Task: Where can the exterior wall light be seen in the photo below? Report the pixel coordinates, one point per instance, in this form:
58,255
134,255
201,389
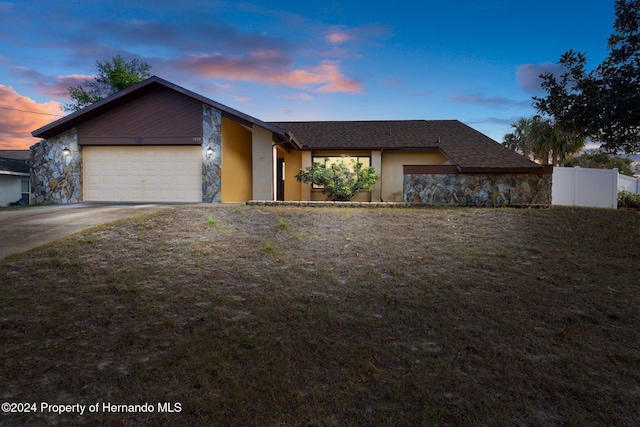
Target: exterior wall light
210,151
66,151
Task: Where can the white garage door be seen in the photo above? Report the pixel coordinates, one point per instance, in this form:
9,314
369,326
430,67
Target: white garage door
142,174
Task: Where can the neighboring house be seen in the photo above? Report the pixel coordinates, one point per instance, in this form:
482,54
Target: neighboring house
14,177
158,142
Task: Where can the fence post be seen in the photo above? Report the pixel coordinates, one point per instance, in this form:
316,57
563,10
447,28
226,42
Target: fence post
615,177
576,185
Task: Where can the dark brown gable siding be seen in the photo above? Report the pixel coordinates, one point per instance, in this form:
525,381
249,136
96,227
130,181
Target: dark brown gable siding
160,117
430,169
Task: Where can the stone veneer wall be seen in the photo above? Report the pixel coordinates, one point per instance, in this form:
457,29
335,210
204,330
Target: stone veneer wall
211,138
54,176
478,189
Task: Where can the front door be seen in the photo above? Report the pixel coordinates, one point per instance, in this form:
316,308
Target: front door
280,180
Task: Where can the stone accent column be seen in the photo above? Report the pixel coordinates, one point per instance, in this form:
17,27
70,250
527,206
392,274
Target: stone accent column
56,177
211,163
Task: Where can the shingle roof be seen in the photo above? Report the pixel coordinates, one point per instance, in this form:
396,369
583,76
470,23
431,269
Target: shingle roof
469,149
13,166
15,154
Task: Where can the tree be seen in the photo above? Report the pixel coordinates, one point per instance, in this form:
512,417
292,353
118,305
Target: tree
543,139
519,140
113,76
340,181
602,104
602,160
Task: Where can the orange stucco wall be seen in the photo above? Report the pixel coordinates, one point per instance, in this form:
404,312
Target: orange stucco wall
237,175
392,174
292,164
236,168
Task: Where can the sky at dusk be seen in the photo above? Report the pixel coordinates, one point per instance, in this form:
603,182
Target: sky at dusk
476,61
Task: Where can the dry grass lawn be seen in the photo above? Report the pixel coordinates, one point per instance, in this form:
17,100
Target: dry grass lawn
250,316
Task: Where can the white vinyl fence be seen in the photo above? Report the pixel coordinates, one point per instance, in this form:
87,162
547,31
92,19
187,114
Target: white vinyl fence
629,183
596,188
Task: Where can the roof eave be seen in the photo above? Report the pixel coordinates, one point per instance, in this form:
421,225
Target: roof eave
372,148
538,169
292,140
14,173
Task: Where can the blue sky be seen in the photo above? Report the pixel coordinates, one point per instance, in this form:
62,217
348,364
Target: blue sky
475,61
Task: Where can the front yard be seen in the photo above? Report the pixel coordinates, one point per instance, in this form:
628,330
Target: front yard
252,316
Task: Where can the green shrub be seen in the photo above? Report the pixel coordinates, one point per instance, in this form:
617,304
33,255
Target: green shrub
341,180
627,199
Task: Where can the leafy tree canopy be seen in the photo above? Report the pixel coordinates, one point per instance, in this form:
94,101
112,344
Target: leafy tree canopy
603,104
113,76
602,160
341,180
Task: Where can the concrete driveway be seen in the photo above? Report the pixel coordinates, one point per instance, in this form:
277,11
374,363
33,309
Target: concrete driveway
26,228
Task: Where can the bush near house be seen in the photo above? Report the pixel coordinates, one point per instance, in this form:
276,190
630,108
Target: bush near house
627,199
341,180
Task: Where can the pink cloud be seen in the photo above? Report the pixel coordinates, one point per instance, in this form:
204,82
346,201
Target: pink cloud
337,37
528,75
20,115
272,68
297,96
52,86
243,98
341,34
59,86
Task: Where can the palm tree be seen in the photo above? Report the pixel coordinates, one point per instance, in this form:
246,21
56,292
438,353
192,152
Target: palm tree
518,140
565,144
543,140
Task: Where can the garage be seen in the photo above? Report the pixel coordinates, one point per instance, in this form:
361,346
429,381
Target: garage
169,173
155,142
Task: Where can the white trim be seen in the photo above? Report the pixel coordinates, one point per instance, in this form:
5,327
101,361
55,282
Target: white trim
14,173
